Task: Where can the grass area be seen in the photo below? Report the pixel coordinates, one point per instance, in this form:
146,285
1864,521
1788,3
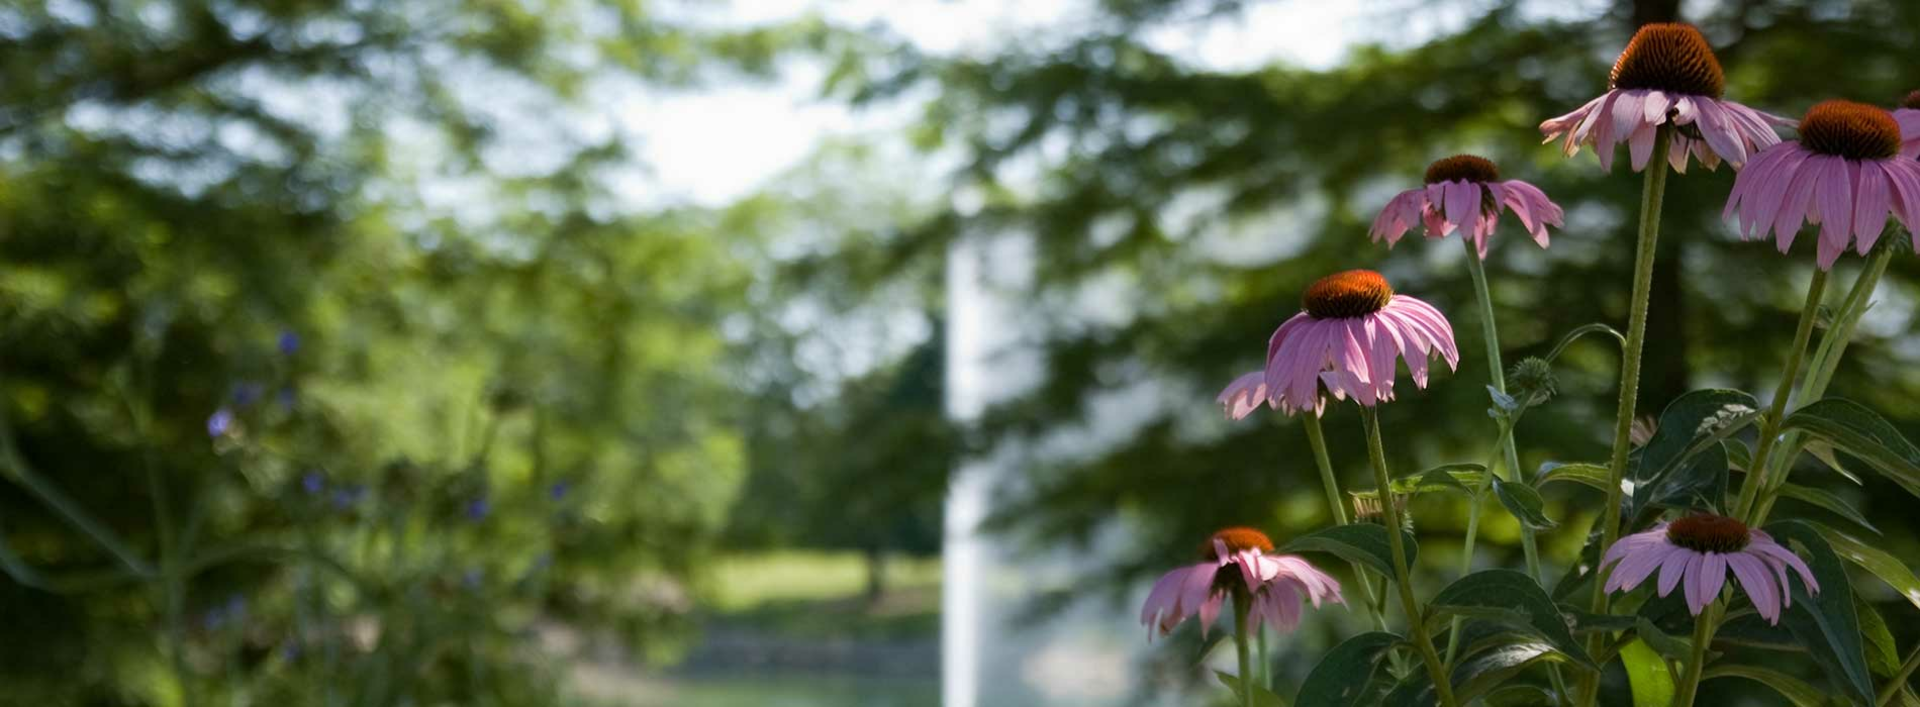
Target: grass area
804,691
744,581
822,595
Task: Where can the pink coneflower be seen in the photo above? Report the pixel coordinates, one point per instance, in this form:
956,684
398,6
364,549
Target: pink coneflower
1277,584
1244,395
1845,173
1464,193
1908,116
1350,338
1667,74
1698,551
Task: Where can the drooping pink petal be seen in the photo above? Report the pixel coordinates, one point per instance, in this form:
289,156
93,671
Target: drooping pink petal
1164,596
1798,200
1210,612
1245,394
1772,193
1696,582
1872,202
1718,130
1765,545
1636,567
1834,195
1674,569
1640,145
1758,583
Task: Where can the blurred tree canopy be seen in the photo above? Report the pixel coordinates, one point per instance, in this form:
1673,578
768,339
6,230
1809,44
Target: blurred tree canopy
1176,211
322,315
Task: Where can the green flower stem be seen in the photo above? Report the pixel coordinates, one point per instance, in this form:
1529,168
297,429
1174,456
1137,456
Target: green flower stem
1497,377
1704,626
1652,194
1899,679
1265,667
1833,345
1757,472
1240,641
1390,514
1316,438
1477,501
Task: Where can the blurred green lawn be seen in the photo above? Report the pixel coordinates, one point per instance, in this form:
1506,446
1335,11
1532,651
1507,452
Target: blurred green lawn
779,603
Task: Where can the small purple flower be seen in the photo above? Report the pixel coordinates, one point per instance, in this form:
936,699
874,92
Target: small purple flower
220,423
346,497
477,509
289,342
472,579
246,394
313,482
286,398
559,490
290,651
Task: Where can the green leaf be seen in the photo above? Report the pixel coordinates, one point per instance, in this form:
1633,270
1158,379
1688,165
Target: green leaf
1365,543
1872,559
1794,689
1648,674
1462,478
1524,503
1262,697
1826,624
1691,424
1739,457
1824,452
1862,433
1661,642
1519,695
1825,499
1748,629
1594,476
1685,460
1526,604
1587,622
1883,657
1475,676
1345,675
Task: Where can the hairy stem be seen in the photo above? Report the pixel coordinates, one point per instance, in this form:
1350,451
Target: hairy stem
1651,195
1497,377
1703,628
1403,579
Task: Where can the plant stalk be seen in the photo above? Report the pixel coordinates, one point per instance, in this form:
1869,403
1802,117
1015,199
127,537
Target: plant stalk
1497,377
1899,679
1833,345
1390,514
1758,473
1652,193
1241,600
1703,628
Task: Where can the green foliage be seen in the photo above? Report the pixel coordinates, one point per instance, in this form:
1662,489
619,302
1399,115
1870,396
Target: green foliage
279,419
1648,674
1826,624
1344,677
1364,543
1514,599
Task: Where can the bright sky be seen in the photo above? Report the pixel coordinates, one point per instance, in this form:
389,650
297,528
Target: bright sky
715,144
